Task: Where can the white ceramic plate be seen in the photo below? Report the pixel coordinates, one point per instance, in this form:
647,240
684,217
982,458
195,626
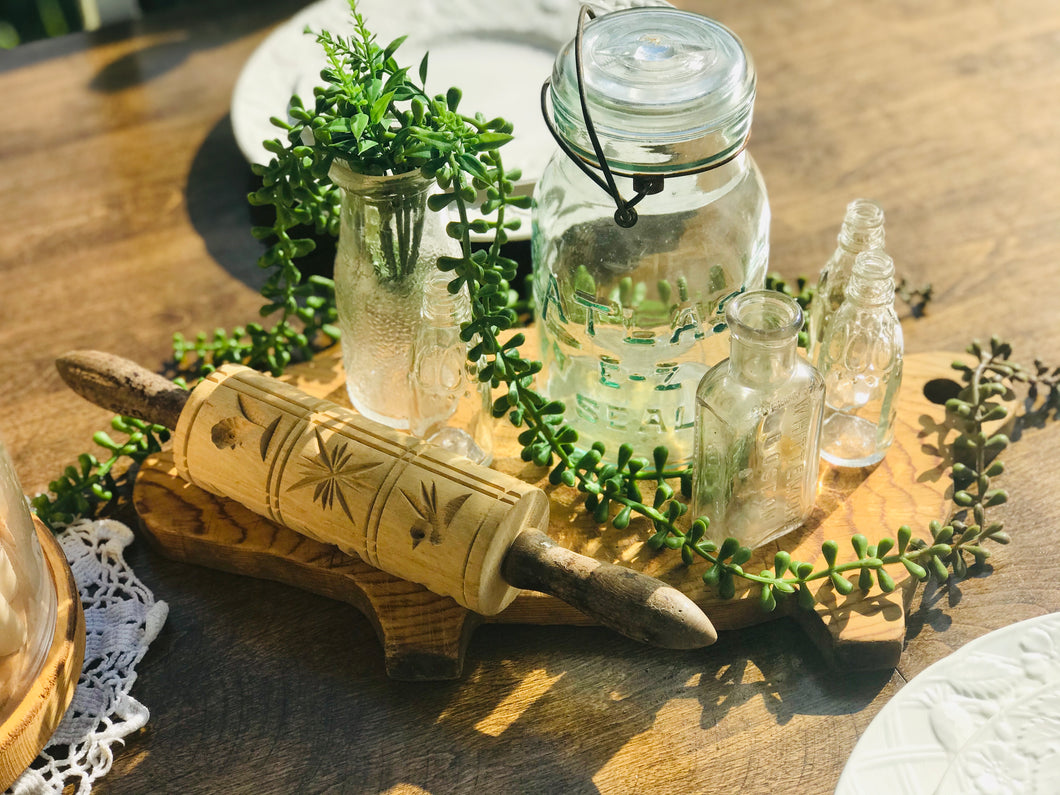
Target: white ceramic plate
986,719
498,52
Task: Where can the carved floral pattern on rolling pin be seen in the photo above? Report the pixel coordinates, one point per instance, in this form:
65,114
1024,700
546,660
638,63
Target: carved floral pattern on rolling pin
333,475
426,509
233,432
339,478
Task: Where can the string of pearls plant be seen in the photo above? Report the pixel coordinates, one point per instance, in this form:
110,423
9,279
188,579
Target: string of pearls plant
371,114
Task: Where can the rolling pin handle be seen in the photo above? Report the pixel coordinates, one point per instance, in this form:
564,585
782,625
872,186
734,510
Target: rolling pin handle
633,604
123,386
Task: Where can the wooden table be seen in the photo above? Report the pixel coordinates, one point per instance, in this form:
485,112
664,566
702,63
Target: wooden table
122,190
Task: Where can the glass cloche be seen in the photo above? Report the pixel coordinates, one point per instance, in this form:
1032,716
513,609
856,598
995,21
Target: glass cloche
27,595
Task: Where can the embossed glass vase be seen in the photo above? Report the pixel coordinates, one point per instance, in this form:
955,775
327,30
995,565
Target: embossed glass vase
389,242
861,359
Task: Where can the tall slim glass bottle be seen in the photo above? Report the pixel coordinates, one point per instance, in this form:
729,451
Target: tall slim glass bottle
862,230
758,421
861,359
450,406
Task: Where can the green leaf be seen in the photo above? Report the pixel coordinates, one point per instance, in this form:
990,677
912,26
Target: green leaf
490,140
393,46
379,107
423,68
841,583
915,569
830,549
766,599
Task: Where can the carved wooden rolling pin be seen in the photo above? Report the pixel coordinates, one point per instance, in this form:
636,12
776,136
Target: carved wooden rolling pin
411,509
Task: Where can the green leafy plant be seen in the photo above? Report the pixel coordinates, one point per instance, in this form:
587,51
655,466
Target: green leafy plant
379,120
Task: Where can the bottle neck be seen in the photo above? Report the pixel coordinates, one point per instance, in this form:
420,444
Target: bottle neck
872,281
862,227
758,362
441,305
871,292
764,345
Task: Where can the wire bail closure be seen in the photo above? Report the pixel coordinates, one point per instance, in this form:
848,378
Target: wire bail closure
643,184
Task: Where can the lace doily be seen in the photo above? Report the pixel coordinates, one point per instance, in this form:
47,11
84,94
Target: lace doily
121,619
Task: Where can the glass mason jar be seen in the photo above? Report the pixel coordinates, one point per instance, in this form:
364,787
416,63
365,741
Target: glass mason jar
27,595
389,242
758,425
630,316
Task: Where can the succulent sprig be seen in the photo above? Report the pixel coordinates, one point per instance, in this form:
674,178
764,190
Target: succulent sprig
950,547
90,486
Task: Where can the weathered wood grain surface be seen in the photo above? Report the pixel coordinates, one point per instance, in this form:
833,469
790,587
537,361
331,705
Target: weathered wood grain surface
122,195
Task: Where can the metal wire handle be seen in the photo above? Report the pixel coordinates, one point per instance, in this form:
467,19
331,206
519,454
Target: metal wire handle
644,185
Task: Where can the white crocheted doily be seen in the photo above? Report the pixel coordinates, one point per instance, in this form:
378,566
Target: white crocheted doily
121,619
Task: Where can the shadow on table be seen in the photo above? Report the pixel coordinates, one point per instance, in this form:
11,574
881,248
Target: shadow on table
615,706
174,35
216,196
300,679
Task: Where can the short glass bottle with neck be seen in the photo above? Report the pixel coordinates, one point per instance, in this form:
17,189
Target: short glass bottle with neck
862,230
861,360
758,421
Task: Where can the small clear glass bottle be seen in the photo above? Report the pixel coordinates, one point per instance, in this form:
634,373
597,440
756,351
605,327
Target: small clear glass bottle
862,230
861,359
450,406
758,421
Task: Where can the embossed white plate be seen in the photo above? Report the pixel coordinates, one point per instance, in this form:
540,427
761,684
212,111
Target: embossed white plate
986,719
498,52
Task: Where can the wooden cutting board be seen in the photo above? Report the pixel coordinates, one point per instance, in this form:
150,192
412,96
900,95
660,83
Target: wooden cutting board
425,636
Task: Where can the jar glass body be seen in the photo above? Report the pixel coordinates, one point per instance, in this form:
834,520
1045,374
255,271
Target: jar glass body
758,425
27,594
389,242
631,318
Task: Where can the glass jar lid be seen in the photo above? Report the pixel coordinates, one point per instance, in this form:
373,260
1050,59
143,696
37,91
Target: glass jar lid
667,90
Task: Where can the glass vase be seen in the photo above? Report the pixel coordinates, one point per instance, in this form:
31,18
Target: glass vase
450,405
861,359
389,242
862,230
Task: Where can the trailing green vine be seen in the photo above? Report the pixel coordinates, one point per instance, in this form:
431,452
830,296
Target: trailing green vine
90,487
372,115
952,545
